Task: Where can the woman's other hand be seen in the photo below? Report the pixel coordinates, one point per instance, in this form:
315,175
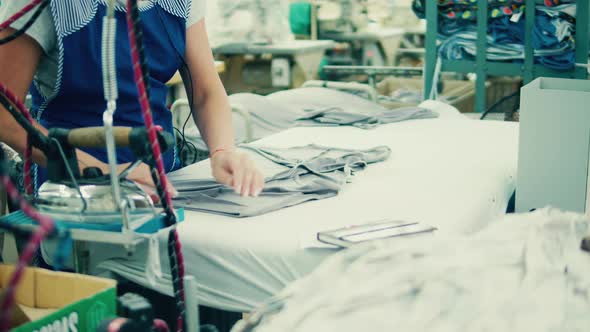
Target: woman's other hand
142,176
236,170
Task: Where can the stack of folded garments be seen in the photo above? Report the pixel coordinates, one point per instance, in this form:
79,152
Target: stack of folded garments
282,110
292,176
553,33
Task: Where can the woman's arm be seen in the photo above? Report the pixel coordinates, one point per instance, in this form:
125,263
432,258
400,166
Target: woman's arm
22,57
19,59
212,114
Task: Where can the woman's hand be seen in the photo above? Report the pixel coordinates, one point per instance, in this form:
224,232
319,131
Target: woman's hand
236,170
212,113
142,176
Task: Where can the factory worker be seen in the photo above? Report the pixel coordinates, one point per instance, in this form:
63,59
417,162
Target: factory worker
59,61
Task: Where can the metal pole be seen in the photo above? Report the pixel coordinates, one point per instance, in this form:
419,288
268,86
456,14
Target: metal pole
431,49
529,52
192,304
582,31
481,56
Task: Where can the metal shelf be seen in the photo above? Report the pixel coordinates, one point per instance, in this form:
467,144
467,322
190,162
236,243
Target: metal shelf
528,70
508,69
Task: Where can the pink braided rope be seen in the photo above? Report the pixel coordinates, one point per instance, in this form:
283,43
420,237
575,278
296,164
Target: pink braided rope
28,157
152,135
46,226
145,109
29,150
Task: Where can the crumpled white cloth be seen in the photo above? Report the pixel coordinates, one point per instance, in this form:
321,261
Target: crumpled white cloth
523,273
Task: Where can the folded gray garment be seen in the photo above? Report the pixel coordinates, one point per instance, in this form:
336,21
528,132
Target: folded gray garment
266,117
309,107
365,120
311,99
266,114
292,176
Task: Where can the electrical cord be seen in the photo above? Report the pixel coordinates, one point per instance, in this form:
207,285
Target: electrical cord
195,154
498,103
70,173
192,149
189,145
158,174
30,22
189,91
184,126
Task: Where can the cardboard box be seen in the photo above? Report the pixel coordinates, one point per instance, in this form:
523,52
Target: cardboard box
460,94
56,301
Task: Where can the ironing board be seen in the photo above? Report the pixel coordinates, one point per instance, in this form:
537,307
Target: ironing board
453,173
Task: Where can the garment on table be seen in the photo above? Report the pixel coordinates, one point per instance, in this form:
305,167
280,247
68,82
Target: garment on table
321,106
267,115
311,99
523,273
264,117
292,176
365,120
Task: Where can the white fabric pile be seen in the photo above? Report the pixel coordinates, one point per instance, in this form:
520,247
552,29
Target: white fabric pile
523,273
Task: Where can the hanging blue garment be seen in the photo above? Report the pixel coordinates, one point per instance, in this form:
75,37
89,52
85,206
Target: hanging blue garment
552,41
78,98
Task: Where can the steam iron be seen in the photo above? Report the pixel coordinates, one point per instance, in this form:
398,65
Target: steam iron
92,197
93,202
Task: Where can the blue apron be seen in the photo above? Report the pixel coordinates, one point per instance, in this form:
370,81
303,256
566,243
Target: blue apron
78,97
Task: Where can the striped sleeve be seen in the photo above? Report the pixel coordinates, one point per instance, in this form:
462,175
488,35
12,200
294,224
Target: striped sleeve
42,31
198,9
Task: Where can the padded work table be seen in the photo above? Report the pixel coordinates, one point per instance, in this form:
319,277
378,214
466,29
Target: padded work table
452,173
369,35
383,40
295,47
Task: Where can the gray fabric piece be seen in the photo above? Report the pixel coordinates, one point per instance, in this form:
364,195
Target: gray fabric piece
292,176
311,99
308,107
365,120
332,107
266,117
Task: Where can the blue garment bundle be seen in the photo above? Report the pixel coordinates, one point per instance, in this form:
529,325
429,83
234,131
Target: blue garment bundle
553,40
467,9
